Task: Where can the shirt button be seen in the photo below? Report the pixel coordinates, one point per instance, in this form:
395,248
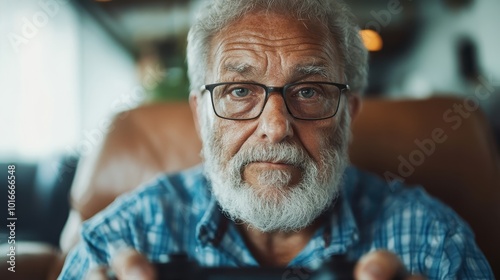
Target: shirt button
355,236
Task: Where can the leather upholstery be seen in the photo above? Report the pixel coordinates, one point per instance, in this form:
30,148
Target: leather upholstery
462,170
140,143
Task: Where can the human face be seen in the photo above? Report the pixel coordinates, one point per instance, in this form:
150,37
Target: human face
274,50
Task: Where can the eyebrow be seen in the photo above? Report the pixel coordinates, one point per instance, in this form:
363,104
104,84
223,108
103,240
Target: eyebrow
243,69
311,70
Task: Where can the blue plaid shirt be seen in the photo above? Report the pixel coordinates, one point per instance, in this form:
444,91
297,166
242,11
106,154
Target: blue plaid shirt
176,213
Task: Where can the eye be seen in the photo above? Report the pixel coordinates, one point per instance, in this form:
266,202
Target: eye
307,92
240,92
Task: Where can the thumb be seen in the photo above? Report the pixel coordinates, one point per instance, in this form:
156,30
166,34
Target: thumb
379,265
131,265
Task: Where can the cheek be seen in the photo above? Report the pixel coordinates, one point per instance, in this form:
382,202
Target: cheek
315,139
231,135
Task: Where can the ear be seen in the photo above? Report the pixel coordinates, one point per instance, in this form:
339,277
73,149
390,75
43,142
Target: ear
354,102
195,110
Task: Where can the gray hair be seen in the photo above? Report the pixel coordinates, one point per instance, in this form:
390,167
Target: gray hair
333,14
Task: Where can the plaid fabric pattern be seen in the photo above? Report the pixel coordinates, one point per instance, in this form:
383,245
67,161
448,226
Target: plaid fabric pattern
176,213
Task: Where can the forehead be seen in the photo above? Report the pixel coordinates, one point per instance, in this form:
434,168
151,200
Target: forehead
259,41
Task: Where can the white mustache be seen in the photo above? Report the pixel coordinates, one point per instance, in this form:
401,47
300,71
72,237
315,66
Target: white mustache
280,153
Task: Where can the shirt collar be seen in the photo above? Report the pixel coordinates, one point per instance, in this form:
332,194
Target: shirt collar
341,230
212,225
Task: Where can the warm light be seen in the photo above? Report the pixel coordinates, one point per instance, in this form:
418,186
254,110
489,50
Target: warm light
372,40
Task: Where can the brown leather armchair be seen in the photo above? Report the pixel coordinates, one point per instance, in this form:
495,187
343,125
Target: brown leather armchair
421,142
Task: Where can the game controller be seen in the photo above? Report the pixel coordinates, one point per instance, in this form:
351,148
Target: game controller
179,267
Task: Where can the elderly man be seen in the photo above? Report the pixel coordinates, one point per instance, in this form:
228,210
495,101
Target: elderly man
275,84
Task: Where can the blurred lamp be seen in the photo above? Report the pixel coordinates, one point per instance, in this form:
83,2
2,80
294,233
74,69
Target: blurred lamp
371,39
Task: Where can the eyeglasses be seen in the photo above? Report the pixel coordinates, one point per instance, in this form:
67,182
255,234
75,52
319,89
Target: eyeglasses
304,100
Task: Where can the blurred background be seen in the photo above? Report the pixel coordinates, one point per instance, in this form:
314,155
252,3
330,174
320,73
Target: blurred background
66,67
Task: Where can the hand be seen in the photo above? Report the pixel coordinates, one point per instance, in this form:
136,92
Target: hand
127,265
381,265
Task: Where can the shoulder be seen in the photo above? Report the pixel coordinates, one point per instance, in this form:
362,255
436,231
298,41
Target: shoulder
166,190
392,203
429,236
147,214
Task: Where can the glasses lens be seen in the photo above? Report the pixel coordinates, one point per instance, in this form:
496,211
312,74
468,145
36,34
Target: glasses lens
312,100
238,101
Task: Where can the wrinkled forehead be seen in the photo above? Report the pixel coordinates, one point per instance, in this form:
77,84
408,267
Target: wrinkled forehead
266,31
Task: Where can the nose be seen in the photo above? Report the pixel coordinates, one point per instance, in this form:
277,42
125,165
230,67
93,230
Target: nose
275,121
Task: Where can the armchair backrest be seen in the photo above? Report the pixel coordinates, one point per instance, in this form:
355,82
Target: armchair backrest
421,142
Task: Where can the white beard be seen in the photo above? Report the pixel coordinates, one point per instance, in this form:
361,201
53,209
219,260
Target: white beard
275,205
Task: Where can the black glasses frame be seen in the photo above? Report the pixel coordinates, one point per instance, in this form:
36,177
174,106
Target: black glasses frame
269,90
